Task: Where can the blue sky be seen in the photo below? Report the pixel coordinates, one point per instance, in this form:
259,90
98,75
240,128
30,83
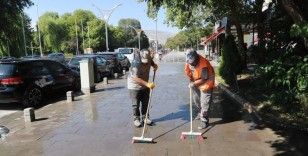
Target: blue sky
128,9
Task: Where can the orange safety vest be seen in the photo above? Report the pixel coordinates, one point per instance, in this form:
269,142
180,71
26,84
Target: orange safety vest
197,72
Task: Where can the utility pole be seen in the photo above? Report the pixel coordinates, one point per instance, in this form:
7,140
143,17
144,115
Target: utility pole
77,48
106,15
38,29
23,33
89,41
31,48
82,34
156,42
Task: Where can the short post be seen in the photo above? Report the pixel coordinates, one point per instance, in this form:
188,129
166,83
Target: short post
105,80
29,114
87,76
69,96
116,75
124,72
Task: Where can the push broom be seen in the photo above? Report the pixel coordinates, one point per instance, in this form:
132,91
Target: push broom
191,134
143,139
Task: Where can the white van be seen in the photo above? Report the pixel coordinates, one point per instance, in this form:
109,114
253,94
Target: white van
128,52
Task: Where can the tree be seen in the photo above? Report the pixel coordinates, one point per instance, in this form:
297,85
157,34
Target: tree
187,13
11,27
127,22
130,27
53,33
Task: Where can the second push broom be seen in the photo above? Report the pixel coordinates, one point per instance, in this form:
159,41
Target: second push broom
143,139
191,134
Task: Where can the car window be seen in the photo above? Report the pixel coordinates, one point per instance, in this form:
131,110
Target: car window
99,61
103,59
56,68
75,60
126,51
38,68
106,56
7,69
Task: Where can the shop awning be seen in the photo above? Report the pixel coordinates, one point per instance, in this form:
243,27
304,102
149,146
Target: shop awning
213,36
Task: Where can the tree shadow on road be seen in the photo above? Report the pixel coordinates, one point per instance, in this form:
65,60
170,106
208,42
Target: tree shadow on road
182,114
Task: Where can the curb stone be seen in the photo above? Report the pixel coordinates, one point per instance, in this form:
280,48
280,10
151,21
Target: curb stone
252,110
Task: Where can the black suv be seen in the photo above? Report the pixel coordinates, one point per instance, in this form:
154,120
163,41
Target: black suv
100,65
114,64
27,81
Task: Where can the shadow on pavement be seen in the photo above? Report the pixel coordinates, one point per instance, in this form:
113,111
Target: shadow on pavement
294,143
11,106
170,130
182,114
40,119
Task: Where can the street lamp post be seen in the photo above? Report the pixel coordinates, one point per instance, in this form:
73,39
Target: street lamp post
38,29
106,15
156,42
23,33
138,31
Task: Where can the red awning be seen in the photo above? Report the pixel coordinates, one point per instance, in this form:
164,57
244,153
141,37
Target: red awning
213,36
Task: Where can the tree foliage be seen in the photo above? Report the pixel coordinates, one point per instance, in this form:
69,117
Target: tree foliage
11,31
189,38
230,65
58,33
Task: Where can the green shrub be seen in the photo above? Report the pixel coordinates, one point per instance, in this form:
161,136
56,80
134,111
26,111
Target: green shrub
287,78
230,64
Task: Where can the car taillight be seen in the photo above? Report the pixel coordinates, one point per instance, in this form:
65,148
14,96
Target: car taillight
11,81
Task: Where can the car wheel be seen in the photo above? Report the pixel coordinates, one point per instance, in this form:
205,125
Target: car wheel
33,97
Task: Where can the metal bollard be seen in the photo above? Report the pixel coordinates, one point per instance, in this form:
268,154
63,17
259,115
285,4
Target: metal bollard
69,96
116,75
29,114
105,80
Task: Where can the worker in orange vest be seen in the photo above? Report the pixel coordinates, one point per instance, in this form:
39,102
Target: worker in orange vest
202,79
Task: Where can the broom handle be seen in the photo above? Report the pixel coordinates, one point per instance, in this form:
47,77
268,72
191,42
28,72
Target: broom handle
190,105
147,113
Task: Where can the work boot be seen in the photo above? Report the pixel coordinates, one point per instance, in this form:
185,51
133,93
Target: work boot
148,121
204,122
197,117
137,122
203,125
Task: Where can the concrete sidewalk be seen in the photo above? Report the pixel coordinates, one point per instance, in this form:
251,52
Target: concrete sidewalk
101,124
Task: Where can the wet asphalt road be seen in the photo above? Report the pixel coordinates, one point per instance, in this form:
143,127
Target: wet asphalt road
101,124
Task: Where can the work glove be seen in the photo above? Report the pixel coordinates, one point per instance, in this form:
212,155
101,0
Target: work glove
150,85
191,85
155,67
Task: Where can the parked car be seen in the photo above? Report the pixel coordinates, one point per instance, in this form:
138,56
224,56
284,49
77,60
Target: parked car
28,81
125,63
57,57
101,68
115,65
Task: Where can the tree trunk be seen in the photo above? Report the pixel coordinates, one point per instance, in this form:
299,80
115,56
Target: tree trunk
239,31
261,31
295,14
293,11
